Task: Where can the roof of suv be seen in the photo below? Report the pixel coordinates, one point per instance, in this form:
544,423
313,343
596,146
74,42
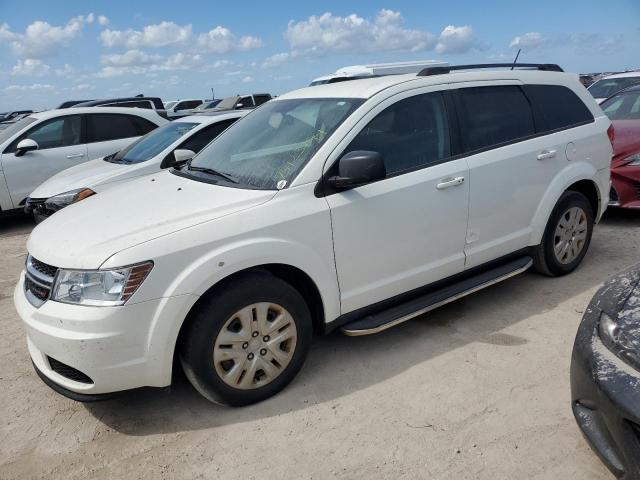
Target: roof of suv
141,112
367,87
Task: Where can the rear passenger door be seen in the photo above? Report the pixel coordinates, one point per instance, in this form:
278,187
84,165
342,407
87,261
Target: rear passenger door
513,156
108,133
407,230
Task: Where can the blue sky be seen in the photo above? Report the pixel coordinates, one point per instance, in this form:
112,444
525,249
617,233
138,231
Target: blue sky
58,50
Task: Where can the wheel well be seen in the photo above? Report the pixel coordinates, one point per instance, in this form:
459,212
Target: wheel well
589,190
292,275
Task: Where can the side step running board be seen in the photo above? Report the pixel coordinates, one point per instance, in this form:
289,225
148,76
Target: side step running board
406,311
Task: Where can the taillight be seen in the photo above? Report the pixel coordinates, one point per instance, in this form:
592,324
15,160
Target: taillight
611,133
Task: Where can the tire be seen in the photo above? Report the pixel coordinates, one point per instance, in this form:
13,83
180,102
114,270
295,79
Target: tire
39,218
545,259
219,343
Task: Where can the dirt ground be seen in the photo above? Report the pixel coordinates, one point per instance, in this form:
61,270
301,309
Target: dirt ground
476,390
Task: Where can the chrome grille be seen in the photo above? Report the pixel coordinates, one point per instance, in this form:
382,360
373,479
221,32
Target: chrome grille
38,281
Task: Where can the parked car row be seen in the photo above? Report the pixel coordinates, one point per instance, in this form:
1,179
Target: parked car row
227,239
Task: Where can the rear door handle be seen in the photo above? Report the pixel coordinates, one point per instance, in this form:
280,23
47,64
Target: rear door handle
75,155
450,182
545,154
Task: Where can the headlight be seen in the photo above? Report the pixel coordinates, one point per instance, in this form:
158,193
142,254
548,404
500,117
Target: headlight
633,160
62,200
102,288
616,340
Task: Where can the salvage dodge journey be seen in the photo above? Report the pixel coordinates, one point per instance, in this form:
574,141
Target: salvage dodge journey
355,205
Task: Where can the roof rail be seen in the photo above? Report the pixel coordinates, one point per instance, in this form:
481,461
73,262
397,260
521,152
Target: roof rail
547,67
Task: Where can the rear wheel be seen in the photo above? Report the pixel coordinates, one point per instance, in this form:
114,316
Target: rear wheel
567,236
247,340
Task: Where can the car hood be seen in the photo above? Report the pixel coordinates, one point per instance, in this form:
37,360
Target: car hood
86,234
626,140
85,175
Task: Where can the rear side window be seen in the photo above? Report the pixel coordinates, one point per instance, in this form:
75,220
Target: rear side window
111,126
557,107
410,134
493,116
201,138
143,126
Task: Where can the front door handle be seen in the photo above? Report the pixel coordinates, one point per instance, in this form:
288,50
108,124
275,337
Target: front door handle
449,182
545,154
75,155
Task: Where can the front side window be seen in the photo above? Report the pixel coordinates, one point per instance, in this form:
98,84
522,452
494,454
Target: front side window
271,144
624,106
608,86
410,134
54,133
153,143
201,138
14,128
187,104
492,116
102,127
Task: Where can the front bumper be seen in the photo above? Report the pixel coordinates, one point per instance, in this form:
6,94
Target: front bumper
103,349
625,184
605,394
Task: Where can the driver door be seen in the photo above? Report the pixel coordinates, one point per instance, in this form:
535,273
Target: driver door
408,229
59,147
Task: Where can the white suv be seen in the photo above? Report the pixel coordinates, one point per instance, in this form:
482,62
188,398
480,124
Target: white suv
42,144
355,205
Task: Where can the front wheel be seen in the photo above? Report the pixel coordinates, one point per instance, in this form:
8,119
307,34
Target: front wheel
567,236
247,340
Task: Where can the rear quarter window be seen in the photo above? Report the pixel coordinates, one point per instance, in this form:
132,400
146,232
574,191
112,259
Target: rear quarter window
557,107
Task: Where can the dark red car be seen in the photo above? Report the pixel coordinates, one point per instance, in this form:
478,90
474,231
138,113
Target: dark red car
623,109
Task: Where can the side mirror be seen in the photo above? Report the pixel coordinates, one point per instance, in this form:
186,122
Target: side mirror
177,157
239,105
358,168
24,146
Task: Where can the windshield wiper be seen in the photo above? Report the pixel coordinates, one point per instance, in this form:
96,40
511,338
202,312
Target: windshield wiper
211,171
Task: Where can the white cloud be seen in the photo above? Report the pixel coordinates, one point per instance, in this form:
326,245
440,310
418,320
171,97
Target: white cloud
277,60
160,35
129,58
41,39
164,34
332,33
67,71
529,41
102,20
222,40
137,62
457,40
83,87
31,67
248,79
34,87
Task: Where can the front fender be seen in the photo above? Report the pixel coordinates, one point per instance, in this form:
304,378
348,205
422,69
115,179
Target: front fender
216,265
571,174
